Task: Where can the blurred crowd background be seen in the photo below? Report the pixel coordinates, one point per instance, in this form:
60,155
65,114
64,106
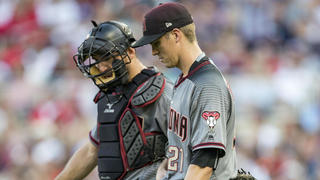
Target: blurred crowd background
269,51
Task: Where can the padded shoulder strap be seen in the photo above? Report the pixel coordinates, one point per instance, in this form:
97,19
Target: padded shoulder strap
98,96
149,91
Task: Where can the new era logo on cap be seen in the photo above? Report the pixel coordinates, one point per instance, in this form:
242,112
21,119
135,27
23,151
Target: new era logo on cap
168,24
161,20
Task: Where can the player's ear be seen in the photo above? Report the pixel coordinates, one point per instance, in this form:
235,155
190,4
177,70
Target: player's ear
177,34
131,52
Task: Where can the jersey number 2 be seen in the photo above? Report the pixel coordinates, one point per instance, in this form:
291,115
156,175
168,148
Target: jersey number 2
173,161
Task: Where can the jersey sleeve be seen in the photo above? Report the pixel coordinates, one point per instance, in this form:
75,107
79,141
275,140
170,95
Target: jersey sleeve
209,114
93,136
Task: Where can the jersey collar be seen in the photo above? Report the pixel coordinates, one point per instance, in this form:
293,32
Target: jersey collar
201,56
200,61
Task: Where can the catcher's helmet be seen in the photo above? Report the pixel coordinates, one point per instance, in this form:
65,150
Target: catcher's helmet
107,41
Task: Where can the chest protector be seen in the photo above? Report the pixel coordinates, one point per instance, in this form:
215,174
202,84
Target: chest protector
123,145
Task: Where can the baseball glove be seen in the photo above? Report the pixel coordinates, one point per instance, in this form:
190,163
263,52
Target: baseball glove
243,175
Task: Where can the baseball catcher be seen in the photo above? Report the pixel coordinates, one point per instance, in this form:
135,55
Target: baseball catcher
129,139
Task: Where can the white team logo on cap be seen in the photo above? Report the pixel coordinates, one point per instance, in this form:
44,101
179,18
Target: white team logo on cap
168,24
211,117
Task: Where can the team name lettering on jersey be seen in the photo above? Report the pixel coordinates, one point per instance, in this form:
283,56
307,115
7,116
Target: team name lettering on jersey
178,124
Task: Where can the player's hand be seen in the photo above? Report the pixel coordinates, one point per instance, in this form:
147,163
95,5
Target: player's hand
162,169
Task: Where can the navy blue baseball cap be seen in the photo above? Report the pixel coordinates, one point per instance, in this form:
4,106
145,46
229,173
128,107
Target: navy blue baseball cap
162,19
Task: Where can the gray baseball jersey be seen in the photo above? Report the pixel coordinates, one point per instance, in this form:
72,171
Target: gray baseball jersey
201,116
154,117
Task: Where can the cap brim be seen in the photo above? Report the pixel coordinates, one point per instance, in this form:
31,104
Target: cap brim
146,40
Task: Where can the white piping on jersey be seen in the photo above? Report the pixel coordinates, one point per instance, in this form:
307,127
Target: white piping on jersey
200,56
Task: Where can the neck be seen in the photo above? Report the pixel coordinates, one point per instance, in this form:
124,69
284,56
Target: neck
134,68
189,54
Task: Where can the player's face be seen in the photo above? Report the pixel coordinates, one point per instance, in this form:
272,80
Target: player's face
164,48
104,67
106,64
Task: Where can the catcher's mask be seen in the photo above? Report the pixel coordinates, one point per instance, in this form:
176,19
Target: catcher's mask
107,46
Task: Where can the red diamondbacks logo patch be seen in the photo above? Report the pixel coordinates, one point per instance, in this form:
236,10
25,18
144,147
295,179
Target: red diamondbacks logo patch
211,117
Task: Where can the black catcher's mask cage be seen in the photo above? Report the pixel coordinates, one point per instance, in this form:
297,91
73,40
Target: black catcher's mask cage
107,41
